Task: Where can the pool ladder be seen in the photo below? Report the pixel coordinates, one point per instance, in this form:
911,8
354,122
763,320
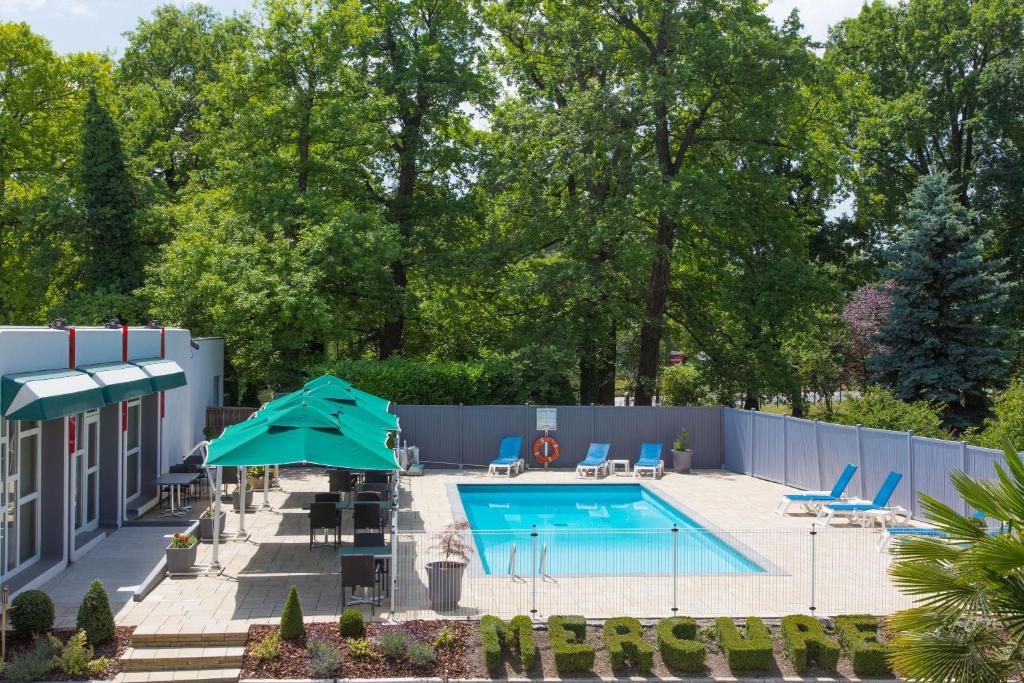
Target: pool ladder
543,563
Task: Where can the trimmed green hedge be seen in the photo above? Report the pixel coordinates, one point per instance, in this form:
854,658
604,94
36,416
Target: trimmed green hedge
624,638
677,642
568,636
497,635
804,639
859,635
750,652
351,623
491,382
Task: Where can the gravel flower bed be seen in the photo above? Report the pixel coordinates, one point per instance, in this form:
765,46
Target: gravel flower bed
112,650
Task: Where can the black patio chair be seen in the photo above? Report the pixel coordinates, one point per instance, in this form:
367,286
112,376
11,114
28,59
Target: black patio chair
340,481
192,490
377,477
367,516
358,571
327,498
324,516
382,564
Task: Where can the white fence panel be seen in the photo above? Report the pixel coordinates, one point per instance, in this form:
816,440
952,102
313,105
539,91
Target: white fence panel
769,459
802,455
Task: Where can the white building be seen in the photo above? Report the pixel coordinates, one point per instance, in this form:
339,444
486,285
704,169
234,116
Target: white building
88,418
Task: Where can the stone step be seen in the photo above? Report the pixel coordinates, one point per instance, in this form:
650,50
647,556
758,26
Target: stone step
182,658
205,639
227,675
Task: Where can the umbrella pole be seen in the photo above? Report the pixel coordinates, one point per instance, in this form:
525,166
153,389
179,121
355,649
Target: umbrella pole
243,489
266,489
215,567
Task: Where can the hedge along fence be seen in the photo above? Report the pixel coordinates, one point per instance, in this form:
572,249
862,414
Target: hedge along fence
498,636
859,635
807,454
745,652
568,638
805,640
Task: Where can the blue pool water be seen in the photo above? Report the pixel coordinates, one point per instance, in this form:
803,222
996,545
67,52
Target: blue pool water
591,529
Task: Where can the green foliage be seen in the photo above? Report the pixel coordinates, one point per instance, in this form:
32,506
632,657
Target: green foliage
568,638
292,627
33,664
682,441
678,645
804,639
393,644
421,655
269,647
859,635
497,635
498,381
351,624
74,656
360,648
324,658
624,639
446,638
32,613
682,385
880,409
943,342
750,651
94,614
1007,422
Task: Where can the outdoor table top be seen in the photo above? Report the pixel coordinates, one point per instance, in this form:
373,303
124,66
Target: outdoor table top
374,550
176,478
350,504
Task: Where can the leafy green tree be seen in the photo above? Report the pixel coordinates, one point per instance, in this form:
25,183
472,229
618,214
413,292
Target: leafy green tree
967,625
879,408
942,341
113,252
1007,421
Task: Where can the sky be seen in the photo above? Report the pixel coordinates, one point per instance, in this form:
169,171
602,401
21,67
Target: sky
80,25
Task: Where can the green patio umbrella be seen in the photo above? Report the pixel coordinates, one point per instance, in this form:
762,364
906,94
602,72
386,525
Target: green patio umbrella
302,433
362,398
349,412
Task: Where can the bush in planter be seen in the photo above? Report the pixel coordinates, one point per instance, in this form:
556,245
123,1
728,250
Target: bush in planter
324,658
351,625
393,644
496,635
292,627
421,655
95,616
269,647
624,638
568,636
859,635
749,652
32,665
74,656
32,613
804,639
682,441
360,647
677,642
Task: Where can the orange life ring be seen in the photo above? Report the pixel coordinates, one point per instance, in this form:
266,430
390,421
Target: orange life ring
539,453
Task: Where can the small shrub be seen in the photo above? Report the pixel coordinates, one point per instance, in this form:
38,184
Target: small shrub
351,624
32,613
859,635
392,644
268,648
522,630
497,635
74,657
360,648
98,666
677,642
745,652
446,638
804,640
292,627
421,655
32,665
568,635
95,616
324,658
624,638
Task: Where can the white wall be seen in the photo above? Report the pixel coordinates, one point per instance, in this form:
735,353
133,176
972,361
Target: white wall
186,406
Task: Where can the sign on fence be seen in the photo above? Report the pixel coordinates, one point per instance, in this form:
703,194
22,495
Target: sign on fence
547,419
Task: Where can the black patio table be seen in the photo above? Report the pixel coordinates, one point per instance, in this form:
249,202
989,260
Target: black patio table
174,481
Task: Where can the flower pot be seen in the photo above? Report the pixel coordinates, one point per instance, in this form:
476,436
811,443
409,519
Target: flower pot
238,497
444,585
181,560
206,527
682,460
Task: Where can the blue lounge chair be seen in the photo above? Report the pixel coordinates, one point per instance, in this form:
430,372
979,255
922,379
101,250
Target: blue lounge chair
508,460
650,462
857,508
812,500
891,533
596,463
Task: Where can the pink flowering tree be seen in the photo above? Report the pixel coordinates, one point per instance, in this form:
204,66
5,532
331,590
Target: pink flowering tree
865,313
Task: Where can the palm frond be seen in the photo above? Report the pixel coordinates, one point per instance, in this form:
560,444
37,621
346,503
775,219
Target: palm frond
999,553
940,586
949,655
959,527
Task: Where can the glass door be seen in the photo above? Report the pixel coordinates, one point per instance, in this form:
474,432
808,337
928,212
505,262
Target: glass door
85,466
22,497
133,451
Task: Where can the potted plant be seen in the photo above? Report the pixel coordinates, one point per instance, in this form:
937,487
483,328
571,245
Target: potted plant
238,496
444,577
209,432
682,456
206,524
181,553
255,476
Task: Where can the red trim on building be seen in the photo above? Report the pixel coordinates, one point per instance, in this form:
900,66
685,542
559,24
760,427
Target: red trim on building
71,349
71,434
124,344
124,416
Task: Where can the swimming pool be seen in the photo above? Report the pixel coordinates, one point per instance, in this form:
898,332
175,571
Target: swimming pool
591,529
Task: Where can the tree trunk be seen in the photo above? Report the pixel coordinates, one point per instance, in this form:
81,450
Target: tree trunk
657,296
391,332
605,371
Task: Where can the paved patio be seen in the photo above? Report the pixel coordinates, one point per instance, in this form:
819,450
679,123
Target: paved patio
850,574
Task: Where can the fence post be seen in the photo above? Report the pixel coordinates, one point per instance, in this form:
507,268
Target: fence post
785,449
533,564
814,566
860,463
910,475
675,569
752,468
817,456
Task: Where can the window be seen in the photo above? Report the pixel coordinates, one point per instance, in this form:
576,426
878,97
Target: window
21,491
132,456
215,399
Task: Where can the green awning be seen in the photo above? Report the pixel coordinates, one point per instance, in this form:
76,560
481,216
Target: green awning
120,381
163,374
49,394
